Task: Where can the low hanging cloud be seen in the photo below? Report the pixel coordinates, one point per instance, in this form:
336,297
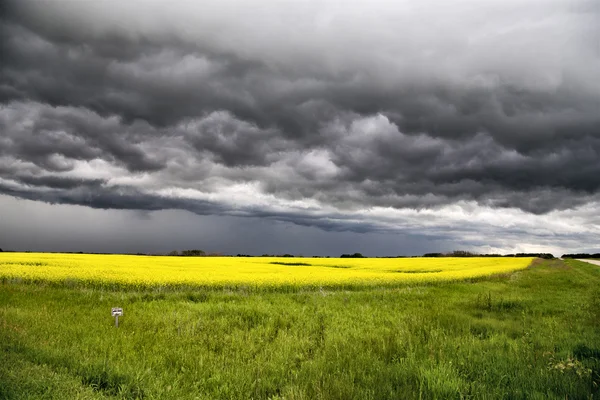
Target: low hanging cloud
429,119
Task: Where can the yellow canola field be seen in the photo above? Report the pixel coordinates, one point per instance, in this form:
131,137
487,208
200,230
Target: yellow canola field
147,271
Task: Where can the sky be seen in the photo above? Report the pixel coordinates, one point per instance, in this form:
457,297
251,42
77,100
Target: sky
299,126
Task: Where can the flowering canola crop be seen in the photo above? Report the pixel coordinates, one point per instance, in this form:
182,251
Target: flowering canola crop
148,271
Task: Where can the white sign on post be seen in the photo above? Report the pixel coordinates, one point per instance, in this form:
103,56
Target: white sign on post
116,312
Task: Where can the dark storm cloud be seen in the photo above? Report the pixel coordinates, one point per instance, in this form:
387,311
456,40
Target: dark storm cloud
96,194
129,107
37,134
133,78
233,142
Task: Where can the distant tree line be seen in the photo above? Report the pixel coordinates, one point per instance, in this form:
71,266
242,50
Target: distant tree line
462,253
547,256
187,253
581,255
355,255
267,255
458,253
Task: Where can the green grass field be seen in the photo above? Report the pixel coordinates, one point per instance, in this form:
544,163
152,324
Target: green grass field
533,334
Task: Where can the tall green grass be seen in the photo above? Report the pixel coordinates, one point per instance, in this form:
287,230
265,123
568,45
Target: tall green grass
532,334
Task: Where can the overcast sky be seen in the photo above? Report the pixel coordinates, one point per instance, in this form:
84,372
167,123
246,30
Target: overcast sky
306,127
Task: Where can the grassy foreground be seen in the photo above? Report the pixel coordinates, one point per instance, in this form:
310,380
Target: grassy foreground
526,335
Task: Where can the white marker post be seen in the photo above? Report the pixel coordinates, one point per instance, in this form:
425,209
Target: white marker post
116,312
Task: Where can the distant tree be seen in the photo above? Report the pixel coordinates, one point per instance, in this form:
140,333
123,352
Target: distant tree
173,253
546,256
355,255
581,255
1,250
433,255
193,253
461,253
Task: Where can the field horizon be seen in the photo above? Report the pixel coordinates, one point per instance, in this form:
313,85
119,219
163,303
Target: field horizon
250,272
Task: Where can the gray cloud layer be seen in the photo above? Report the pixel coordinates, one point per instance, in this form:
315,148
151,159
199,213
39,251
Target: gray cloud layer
308,112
